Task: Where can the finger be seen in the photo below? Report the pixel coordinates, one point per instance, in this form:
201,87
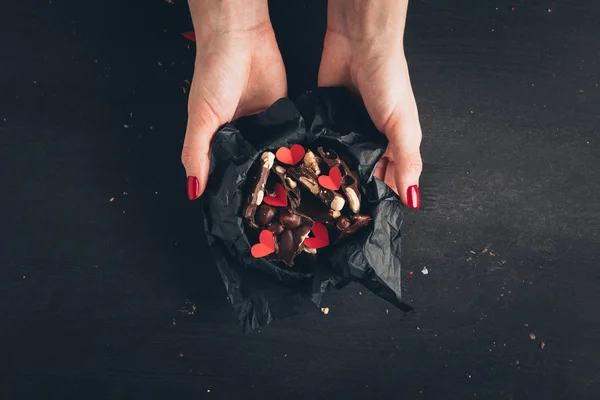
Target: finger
405,142
381,168
389,178
385,170
195,156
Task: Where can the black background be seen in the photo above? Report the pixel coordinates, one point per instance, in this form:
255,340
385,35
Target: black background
119,299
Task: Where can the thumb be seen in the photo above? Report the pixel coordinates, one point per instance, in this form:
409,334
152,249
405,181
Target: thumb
195,156
405,143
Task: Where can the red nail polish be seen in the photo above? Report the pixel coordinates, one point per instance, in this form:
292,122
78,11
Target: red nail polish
412,195
193,188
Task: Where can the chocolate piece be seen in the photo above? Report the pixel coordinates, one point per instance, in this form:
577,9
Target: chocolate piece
291,188
307,177
289,220
286,247
265,214
357,222
291,225
349,179
257,193
343,223
291,240
275,227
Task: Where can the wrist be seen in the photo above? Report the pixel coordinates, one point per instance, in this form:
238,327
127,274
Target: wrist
368,20
219,17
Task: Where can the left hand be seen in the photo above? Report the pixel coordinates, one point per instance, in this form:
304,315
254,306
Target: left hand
364,51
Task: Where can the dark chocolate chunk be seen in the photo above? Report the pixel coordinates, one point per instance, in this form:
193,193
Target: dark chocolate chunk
265,214
290,186
257,192
349,179
289,220
286,247
275,227
307,178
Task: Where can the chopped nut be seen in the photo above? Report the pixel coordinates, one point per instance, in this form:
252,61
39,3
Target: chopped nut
532,336
267,159
325,310
335,214
291,183
259,197
312,162
337,203
279,169
353,200
310,184
310,250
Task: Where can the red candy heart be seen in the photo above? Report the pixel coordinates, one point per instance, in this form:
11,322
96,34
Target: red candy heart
290,156
266,245
331,181
321,238
189,36
280,199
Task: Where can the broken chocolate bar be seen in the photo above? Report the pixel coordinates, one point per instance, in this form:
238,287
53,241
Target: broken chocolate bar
349,179
257,193
296,228
307,178
291,224
290,186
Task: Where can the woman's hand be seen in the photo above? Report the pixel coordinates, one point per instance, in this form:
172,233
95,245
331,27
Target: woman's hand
238,71
364,51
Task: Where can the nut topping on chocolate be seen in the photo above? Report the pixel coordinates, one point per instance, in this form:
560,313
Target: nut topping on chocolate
338,211
312,162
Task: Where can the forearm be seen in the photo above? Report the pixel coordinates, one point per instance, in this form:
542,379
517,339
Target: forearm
224,16
367,19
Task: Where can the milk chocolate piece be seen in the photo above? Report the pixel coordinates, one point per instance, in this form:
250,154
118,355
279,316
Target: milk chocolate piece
257,193
349,179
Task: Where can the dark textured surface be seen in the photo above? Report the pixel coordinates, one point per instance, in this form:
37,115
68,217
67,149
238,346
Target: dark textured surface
120,300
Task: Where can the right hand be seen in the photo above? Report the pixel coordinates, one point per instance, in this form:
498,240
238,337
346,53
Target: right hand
238,71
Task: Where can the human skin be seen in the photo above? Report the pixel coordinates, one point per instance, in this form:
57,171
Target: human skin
239,71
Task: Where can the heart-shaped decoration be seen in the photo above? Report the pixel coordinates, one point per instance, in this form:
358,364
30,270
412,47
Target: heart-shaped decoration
321,238
331,181
290,156
189,36
280,198
265,246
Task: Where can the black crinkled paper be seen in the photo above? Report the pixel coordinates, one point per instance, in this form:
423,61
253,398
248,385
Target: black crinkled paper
261,290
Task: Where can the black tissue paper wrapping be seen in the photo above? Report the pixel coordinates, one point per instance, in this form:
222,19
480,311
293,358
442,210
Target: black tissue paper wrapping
260,290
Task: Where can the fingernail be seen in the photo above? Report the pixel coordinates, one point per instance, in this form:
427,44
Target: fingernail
412,195
193,188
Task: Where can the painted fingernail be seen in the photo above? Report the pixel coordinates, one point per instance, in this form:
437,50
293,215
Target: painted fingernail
412,195
193,188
